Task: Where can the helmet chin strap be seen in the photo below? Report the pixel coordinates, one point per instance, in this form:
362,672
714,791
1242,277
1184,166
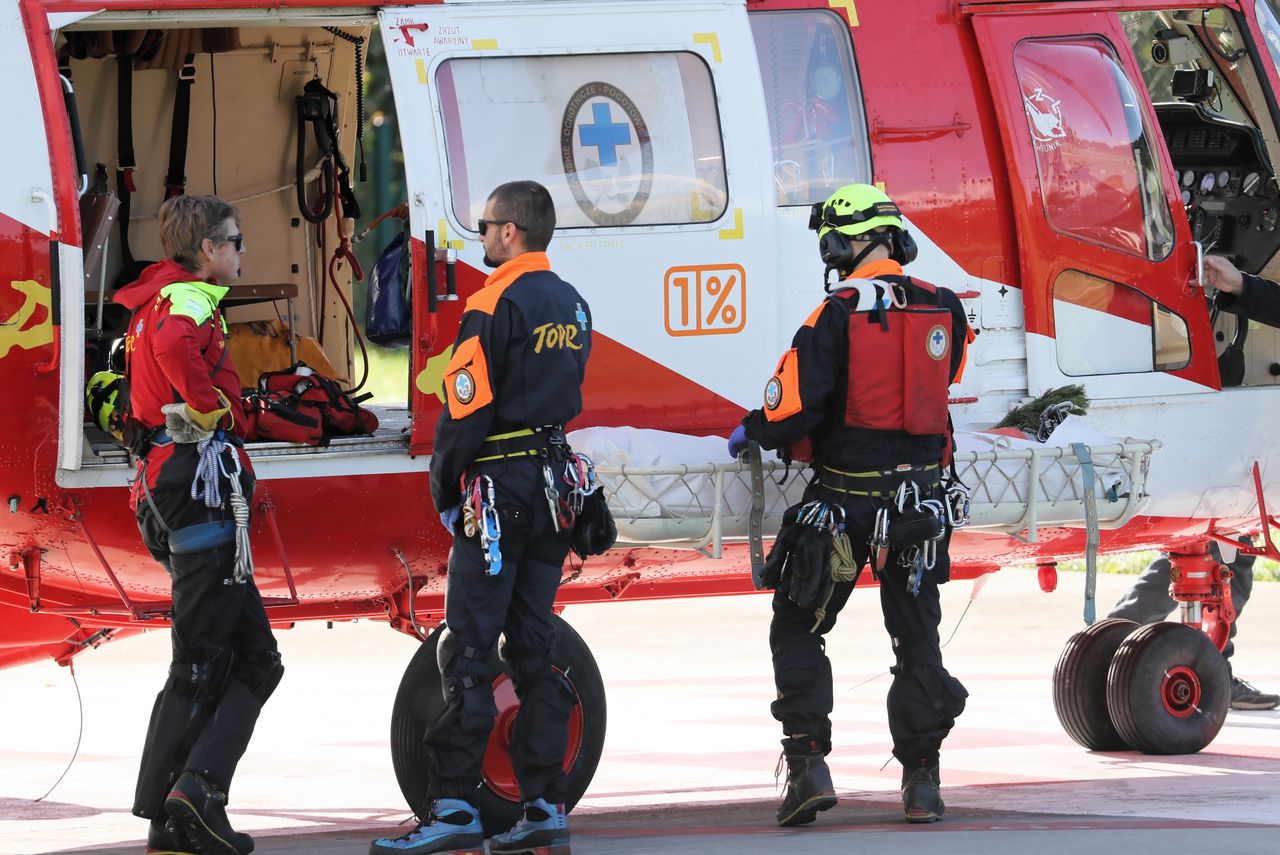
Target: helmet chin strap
882,239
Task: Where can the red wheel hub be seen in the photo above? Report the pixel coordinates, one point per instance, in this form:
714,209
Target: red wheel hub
498,771
1180,691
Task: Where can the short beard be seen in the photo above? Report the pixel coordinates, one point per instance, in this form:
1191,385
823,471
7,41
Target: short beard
489,262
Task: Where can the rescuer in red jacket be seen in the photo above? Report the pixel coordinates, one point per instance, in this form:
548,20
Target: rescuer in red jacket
863,394
184,423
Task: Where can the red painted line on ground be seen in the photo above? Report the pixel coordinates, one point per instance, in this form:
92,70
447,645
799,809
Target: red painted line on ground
947,825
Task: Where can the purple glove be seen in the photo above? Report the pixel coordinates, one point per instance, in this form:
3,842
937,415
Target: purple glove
449,518
738,441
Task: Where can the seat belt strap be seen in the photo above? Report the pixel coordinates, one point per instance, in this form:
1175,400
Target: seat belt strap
126,162
175,183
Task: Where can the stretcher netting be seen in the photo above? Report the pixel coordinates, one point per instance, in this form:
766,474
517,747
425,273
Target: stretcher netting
679,491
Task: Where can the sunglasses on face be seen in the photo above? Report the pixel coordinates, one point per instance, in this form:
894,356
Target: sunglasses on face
482,225
235,240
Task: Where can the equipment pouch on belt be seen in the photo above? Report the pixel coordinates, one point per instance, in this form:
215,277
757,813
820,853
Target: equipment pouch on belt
594,531
913,526
800,560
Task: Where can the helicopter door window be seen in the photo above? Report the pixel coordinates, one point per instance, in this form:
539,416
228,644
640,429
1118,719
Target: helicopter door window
618,139
1103,327
1100,179
812,94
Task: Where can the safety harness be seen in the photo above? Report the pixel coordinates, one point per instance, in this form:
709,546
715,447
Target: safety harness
548,443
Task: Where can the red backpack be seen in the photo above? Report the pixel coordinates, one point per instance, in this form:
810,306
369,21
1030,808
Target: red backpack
300,405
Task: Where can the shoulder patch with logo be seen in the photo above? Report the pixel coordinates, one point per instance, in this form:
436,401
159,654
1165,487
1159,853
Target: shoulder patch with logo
466,379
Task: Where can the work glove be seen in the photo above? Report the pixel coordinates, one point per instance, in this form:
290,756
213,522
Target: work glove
449,518
738,441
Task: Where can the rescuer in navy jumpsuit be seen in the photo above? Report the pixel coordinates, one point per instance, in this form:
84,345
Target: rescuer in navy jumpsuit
514,381
814,402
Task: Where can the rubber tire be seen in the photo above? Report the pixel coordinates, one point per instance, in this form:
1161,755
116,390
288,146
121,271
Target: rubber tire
420,700
1080,684
1134,687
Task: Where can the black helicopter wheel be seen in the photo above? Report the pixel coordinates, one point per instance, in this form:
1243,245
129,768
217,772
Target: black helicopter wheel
1080,684
1168,689
420,700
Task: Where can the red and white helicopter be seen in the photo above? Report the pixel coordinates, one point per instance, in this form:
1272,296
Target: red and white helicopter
1063,166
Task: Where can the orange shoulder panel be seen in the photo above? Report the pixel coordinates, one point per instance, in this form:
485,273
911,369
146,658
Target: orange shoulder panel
466,379
782,392
813,317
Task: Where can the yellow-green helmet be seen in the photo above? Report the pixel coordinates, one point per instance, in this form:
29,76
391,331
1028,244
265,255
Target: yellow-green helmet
100,402
854,209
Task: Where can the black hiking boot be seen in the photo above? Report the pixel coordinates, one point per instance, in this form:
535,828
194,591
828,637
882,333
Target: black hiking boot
921,799
163,839
199,811
809,790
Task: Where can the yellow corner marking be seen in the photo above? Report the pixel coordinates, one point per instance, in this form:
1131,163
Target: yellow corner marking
442,231
849,9
430,380
12,333
736,232
484,44
421,65
712,39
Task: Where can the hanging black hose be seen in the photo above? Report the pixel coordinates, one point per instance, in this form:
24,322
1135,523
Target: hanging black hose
358,43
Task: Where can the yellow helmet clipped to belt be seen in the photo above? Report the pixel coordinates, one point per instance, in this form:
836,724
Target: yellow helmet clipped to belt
853,210
100,402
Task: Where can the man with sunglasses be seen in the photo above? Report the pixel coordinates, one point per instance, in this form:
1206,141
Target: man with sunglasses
184,417
500,480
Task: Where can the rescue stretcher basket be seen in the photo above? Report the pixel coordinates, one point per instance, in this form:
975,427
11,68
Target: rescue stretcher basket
1015,491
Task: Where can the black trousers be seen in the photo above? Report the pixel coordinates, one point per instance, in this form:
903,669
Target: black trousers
516,604
225,662
924,700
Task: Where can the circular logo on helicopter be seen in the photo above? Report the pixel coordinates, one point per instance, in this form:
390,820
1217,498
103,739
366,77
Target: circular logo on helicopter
936,344
464,387
607,154
773,393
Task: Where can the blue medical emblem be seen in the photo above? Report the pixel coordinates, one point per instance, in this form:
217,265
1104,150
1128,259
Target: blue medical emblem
581,316
464,388
936,344
773,393
605,134
609,168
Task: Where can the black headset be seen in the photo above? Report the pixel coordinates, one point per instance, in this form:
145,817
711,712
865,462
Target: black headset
836,248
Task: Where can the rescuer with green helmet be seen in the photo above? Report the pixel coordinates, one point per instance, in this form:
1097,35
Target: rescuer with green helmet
862,394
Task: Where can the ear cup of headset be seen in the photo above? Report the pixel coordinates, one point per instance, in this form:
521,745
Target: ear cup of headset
904,249
836,250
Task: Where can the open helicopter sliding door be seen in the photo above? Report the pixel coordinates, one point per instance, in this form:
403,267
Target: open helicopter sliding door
41,324
1108,267
645,122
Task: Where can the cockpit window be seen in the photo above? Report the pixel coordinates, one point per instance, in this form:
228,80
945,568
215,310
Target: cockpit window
1175,52
812,94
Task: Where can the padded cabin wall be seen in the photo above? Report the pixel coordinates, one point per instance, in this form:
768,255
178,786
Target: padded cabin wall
256,139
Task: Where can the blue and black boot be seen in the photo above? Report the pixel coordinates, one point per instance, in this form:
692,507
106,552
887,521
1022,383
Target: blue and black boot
543,830
452,827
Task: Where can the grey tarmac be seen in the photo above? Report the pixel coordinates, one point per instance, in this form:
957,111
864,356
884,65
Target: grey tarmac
691,748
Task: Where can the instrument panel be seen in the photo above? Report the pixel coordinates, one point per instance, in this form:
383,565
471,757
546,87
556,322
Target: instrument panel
1226,183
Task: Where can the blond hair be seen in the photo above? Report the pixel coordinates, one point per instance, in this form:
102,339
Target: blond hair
187,221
